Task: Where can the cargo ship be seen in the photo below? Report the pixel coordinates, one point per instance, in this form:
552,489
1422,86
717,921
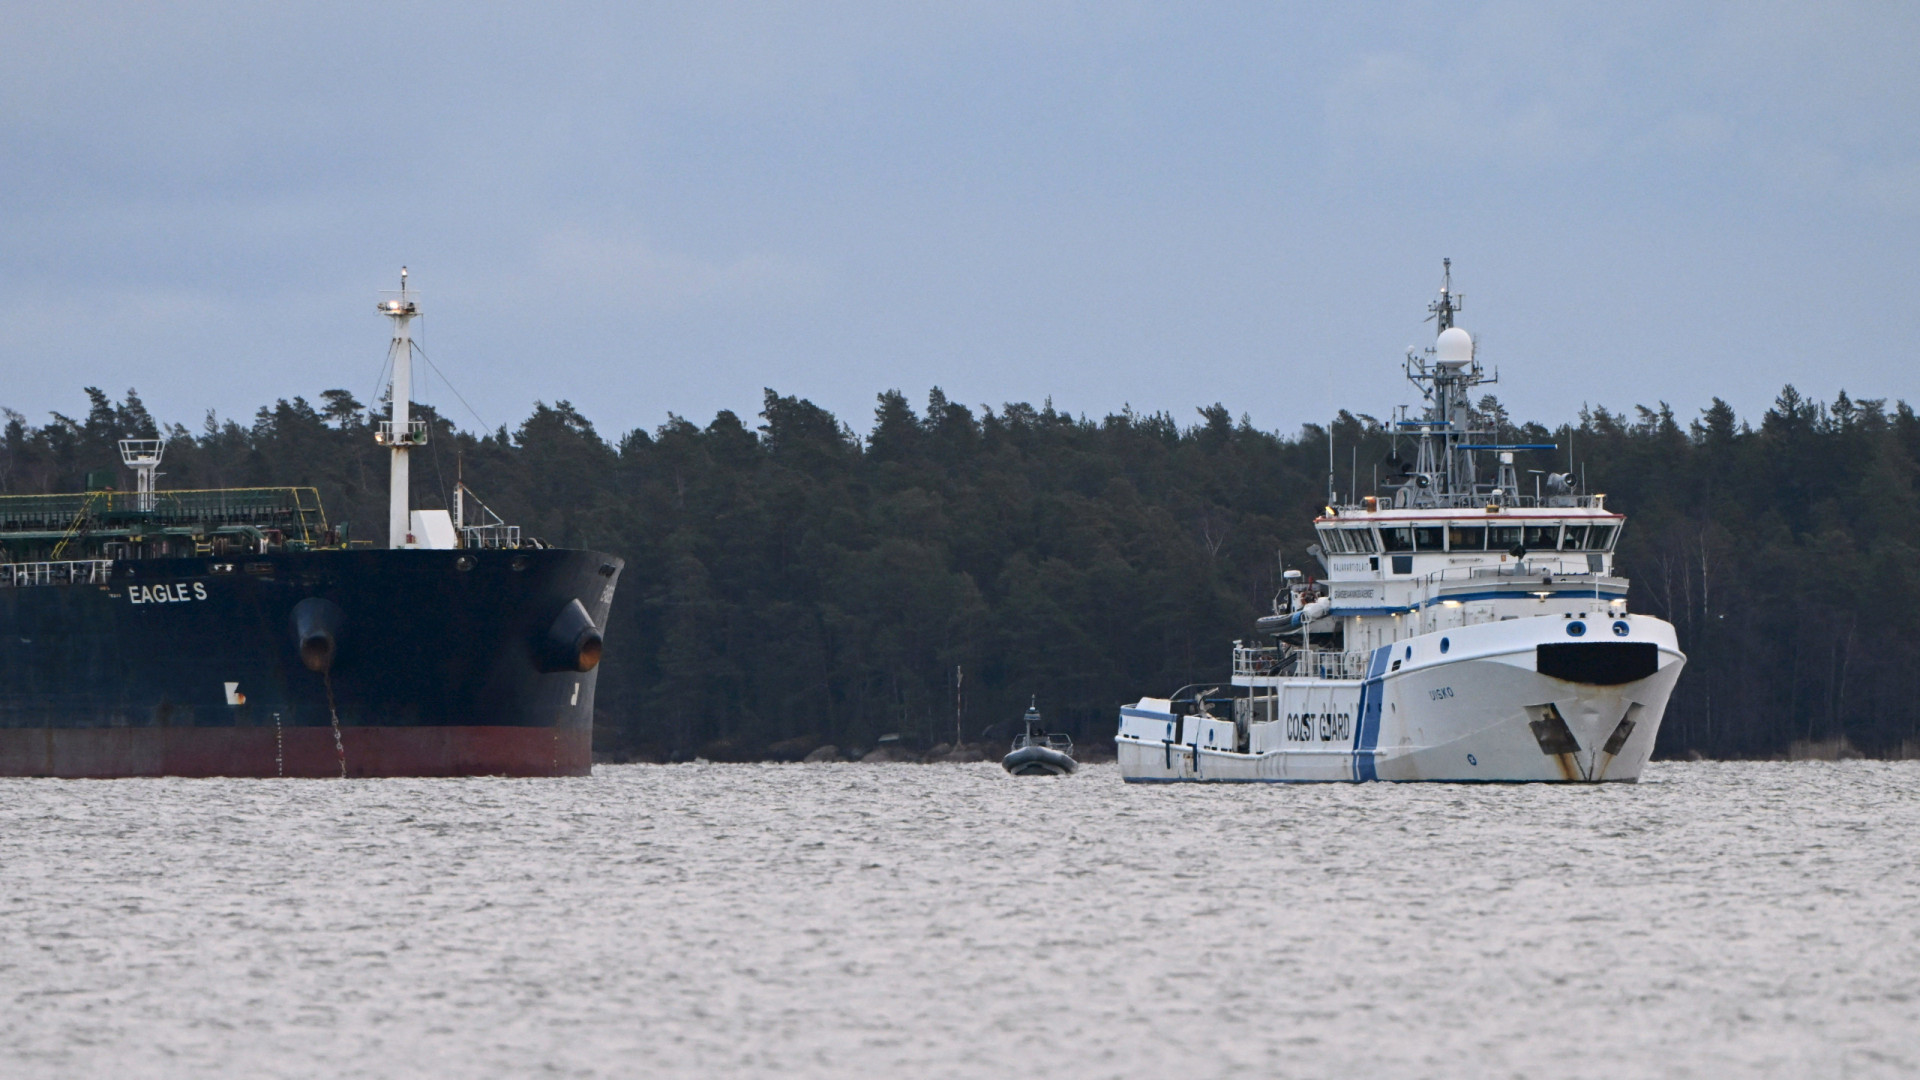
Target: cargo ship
232,632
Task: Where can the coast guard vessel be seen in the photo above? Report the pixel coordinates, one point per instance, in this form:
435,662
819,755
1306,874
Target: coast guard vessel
233,632
1466,629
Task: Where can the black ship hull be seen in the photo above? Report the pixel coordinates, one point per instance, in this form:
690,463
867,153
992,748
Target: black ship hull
317,663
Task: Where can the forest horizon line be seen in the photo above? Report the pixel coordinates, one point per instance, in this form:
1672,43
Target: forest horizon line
793,581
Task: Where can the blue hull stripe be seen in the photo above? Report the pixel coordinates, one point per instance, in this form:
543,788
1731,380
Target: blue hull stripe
1606,592
1367,739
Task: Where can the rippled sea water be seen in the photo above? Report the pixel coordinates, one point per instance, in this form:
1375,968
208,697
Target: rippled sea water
949,920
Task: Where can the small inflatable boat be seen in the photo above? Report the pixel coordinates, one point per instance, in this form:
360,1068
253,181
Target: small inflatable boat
1039,754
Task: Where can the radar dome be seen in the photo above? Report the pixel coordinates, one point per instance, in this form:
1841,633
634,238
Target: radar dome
1454,348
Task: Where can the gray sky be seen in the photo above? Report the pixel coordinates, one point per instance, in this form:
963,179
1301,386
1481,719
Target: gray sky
649,208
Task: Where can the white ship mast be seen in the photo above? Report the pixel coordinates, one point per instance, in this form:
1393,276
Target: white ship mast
1444,472
399,432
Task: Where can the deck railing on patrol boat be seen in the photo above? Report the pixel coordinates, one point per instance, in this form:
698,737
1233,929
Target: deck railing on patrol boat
1266,662
1515,570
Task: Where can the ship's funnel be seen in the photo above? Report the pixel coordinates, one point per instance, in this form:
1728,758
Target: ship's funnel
572,643
317,623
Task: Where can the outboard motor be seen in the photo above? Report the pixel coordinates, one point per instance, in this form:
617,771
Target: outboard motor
317,624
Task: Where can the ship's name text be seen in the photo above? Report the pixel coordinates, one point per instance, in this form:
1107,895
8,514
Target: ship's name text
176,593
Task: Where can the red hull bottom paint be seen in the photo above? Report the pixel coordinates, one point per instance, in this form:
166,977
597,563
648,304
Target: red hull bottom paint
109,753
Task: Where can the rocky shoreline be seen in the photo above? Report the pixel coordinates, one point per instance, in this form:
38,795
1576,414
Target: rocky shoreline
814,752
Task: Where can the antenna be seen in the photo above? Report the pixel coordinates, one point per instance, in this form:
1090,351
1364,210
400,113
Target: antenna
1444,308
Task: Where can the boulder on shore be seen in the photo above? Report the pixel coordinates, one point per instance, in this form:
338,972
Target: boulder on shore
1839,748
891,752
729,750
818,754
794,749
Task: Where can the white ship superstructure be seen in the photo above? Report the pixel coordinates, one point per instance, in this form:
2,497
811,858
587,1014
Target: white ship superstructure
1467,629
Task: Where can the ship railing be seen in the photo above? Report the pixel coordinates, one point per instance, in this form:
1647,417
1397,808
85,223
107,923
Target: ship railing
491,536
1062,743
1254,661
1335,665
1454,574
294,510
1477,501
414,435
71,572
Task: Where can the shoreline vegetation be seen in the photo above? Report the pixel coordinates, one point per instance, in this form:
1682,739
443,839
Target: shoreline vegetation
793,580
811,751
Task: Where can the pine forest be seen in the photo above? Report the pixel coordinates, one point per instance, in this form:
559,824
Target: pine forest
791,582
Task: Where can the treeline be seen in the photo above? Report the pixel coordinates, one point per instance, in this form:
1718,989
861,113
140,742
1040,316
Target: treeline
791,581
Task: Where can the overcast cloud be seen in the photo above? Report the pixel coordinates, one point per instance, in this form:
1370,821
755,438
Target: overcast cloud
647,209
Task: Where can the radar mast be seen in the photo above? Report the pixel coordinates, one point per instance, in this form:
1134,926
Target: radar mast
399,432
1445,473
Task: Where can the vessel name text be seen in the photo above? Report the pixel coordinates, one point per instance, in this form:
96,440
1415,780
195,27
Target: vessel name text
166,594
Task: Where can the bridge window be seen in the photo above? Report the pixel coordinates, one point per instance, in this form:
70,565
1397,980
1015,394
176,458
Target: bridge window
1503,537
1574,539
1541,537
1600,537
1360,541
1330,539
1466,537
1429,538
1397,539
